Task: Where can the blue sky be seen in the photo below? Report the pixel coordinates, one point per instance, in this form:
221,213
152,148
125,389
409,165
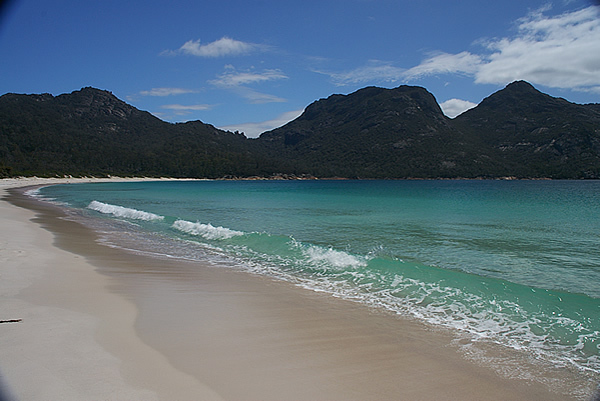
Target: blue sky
253,65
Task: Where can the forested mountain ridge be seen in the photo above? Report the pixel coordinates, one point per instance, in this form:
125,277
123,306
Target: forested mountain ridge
402,132
536,135
371,133
376,133
92,132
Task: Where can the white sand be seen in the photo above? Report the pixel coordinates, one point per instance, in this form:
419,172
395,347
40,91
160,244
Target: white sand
76,340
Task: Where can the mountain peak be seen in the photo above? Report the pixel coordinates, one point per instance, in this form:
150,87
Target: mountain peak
518,88
95,102
366,103
517,97
520,85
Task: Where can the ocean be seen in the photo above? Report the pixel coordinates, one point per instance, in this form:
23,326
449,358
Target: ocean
510,268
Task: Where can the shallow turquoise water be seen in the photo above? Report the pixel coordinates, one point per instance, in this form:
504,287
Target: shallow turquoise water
515,263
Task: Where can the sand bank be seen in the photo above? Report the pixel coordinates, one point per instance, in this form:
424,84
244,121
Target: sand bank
99,323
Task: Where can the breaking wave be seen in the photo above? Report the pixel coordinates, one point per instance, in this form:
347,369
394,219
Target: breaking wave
123,212
207,231
337,259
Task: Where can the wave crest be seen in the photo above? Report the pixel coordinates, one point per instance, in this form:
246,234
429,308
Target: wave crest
332,257
124,212
207,231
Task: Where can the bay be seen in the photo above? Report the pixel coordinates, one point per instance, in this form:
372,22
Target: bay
510,263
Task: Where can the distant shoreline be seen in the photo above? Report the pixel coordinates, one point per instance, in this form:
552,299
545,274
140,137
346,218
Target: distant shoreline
24,180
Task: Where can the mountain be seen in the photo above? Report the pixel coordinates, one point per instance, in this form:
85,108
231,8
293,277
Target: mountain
371,133
532,134
402,132
375,133
92,132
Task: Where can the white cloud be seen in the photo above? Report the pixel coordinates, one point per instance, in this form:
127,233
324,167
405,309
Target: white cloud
375,70
237,82
253,130
444,63
561,51
180,109
219,48
256,97
454,107
166,91
234,78
379,71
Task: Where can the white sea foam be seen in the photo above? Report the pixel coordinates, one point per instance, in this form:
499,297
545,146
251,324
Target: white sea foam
207,231
34,193
124,212
37,194
332,257
473,316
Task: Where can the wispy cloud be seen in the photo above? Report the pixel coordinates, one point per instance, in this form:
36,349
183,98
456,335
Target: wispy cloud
256,97
254,129
192,107
381,71
166,91
232,77
182,109
219,48
444,63
374,71
238,81
560,51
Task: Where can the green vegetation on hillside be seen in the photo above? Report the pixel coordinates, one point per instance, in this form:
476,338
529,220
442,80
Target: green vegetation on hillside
372,133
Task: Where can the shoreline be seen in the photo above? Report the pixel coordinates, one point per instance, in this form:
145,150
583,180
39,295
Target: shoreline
169,329
76,339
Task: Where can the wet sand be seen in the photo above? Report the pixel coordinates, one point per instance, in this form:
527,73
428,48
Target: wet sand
101,323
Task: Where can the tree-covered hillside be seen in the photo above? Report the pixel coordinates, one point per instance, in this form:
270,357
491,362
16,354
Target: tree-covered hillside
371,133
91,132
402,132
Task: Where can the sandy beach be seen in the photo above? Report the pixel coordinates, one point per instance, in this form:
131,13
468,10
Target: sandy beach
85,321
